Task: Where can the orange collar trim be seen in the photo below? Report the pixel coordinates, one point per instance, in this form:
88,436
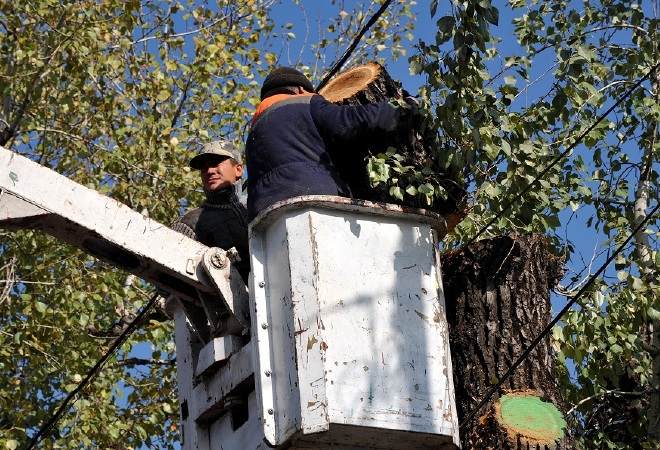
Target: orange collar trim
270,101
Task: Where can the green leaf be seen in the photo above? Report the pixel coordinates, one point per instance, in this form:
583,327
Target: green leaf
586,53
492,15
506,148
653,313
433,7
396,192
491,151
163,95
446,24
425,189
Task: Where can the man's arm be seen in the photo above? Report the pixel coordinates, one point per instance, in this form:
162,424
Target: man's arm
184,229
345,123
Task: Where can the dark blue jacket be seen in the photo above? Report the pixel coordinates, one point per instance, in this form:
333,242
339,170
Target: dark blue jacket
291,141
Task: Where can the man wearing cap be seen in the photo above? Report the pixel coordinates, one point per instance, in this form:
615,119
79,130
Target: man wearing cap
294,134
221,221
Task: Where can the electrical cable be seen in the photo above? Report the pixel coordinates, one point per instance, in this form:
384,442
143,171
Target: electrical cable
559,157
125,334
554,321
338,65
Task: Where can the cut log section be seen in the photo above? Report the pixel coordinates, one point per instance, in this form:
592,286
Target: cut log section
528,419
360,85
370,83
520,420
497,293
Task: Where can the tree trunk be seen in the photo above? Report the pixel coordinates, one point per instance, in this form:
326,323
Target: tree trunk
370,83
497,295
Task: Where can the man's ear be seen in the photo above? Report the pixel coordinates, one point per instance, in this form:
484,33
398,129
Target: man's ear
239,171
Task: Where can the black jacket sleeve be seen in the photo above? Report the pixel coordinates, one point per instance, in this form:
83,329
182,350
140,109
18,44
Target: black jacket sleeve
181,227
343,123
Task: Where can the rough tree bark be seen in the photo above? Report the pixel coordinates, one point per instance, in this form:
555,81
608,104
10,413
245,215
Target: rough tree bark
497,295
370,83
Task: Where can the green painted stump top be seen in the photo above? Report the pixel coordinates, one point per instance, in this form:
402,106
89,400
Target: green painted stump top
531,417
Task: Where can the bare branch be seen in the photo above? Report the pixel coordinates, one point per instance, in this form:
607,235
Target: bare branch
158,315
173,36
9,280
612,392
146,362
184,96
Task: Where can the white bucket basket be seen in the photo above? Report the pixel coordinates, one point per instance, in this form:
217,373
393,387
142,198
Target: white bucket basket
349,317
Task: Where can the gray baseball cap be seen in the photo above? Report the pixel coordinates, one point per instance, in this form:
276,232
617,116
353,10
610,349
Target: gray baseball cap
213,150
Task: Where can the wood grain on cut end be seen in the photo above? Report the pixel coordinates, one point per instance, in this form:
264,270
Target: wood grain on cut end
370,83
523,415
349,83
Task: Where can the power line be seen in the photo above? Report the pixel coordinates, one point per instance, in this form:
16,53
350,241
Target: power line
338,65
91,374
554,321
559,157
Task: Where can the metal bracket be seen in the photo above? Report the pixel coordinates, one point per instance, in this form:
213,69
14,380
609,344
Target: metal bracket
232,316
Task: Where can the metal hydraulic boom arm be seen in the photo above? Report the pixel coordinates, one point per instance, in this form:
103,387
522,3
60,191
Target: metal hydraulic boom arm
33,196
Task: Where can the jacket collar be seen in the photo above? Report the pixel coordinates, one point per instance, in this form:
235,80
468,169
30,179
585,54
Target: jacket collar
272,100
221,197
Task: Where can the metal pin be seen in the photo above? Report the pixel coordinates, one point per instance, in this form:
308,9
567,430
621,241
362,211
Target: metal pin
264,325
219,260
262,284
267,373
270,411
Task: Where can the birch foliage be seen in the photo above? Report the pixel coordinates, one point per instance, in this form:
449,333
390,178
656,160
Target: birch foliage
502,117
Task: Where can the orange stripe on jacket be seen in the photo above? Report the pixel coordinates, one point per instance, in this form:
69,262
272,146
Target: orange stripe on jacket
273,99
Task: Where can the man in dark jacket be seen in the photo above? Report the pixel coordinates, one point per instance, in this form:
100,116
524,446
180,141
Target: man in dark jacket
221,221
293,134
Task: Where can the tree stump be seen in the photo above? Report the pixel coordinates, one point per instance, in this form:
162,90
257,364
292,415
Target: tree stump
370,83
497,296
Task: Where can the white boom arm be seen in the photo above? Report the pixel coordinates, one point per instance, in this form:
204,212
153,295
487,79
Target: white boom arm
33,196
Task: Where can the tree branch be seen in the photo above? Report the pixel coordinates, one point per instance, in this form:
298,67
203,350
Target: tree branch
184,96
9,280
8,133
120,325
172,36
146,362
605,394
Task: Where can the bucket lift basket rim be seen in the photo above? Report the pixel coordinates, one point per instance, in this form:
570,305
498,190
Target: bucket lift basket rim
333,202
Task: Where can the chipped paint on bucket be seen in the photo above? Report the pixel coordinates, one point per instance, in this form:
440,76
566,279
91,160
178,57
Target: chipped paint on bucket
357,333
